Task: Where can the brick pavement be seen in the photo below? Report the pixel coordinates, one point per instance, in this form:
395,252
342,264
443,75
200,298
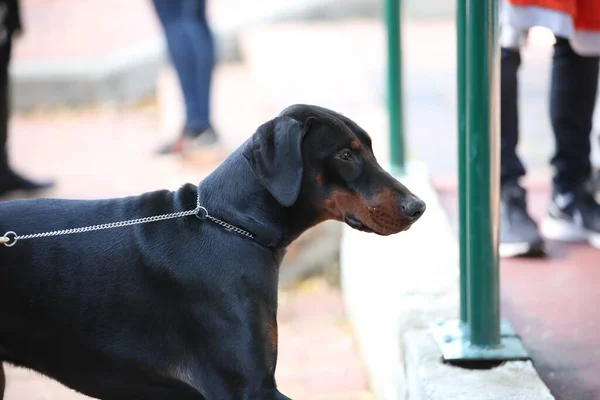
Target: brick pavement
318,358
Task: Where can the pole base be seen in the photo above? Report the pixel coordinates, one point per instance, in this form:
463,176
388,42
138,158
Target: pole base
452,337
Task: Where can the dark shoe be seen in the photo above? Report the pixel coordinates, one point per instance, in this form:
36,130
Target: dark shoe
189,142
519,234
10,181
574,217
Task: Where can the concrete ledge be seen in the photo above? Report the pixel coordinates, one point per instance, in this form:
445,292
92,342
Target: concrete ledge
126,77
430,379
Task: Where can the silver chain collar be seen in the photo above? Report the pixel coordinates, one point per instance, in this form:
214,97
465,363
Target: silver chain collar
10,238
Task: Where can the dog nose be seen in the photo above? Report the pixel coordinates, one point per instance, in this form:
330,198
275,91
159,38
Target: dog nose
413,208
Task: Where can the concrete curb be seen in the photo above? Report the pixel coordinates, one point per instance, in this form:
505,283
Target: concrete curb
430,379
126,77
131,73
403,282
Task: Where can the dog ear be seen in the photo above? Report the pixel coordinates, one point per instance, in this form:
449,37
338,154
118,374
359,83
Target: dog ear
275,156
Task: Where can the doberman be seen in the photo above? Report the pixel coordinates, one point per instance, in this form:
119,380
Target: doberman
185,308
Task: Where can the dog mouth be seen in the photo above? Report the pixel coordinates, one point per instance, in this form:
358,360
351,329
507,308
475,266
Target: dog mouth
357,224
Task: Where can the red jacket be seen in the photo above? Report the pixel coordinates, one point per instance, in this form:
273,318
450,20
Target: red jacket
584,13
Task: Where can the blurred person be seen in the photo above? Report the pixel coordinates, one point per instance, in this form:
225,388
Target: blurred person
573,214
10,26
191,48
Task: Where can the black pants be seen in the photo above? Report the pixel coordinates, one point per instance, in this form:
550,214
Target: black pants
573,88
5,53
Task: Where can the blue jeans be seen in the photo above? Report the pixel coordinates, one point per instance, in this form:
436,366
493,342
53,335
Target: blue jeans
191,47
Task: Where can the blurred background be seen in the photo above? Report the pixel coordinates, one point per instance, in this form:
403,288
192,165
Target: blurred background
94,94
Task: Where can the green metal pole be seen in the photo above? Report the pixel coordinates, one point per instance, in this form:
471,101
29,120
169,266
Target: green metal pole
461,68
483,172
394,101
478,336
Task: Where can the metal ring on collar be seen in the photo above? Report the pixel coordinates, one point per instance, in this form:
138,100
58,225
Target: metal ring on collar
202,213
8,242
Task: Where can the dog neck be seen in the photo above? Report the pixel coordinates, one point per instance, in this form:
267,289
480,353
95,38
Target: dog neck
234,194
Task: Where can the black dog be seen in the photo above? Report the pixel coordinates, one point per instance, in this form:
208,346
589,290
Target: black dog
186,308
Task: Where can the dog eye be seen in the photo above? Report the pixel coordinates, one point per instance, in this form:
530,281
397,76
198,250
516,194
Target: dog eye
345,155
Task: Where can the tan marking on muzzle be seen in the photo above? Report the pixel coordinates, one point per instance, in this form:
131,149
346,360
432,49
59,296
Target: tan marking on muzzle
379,213
385,211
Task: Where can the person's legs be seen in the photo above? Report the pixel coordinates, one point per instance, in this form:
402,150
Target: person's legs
511,168
573,212
572,101
9,180
518,232
195,27
5,50
191,47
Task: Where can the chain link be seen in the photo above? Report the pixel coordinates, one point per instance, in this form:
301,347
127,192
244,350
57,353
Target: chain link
10,238
230,227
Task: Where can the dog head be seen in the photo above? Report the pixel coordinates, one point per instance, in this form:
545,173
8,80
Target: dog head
321,164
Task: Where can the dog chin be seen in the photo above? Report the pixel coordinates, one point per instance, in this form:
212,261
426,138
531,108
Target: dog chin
355,223
390,233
